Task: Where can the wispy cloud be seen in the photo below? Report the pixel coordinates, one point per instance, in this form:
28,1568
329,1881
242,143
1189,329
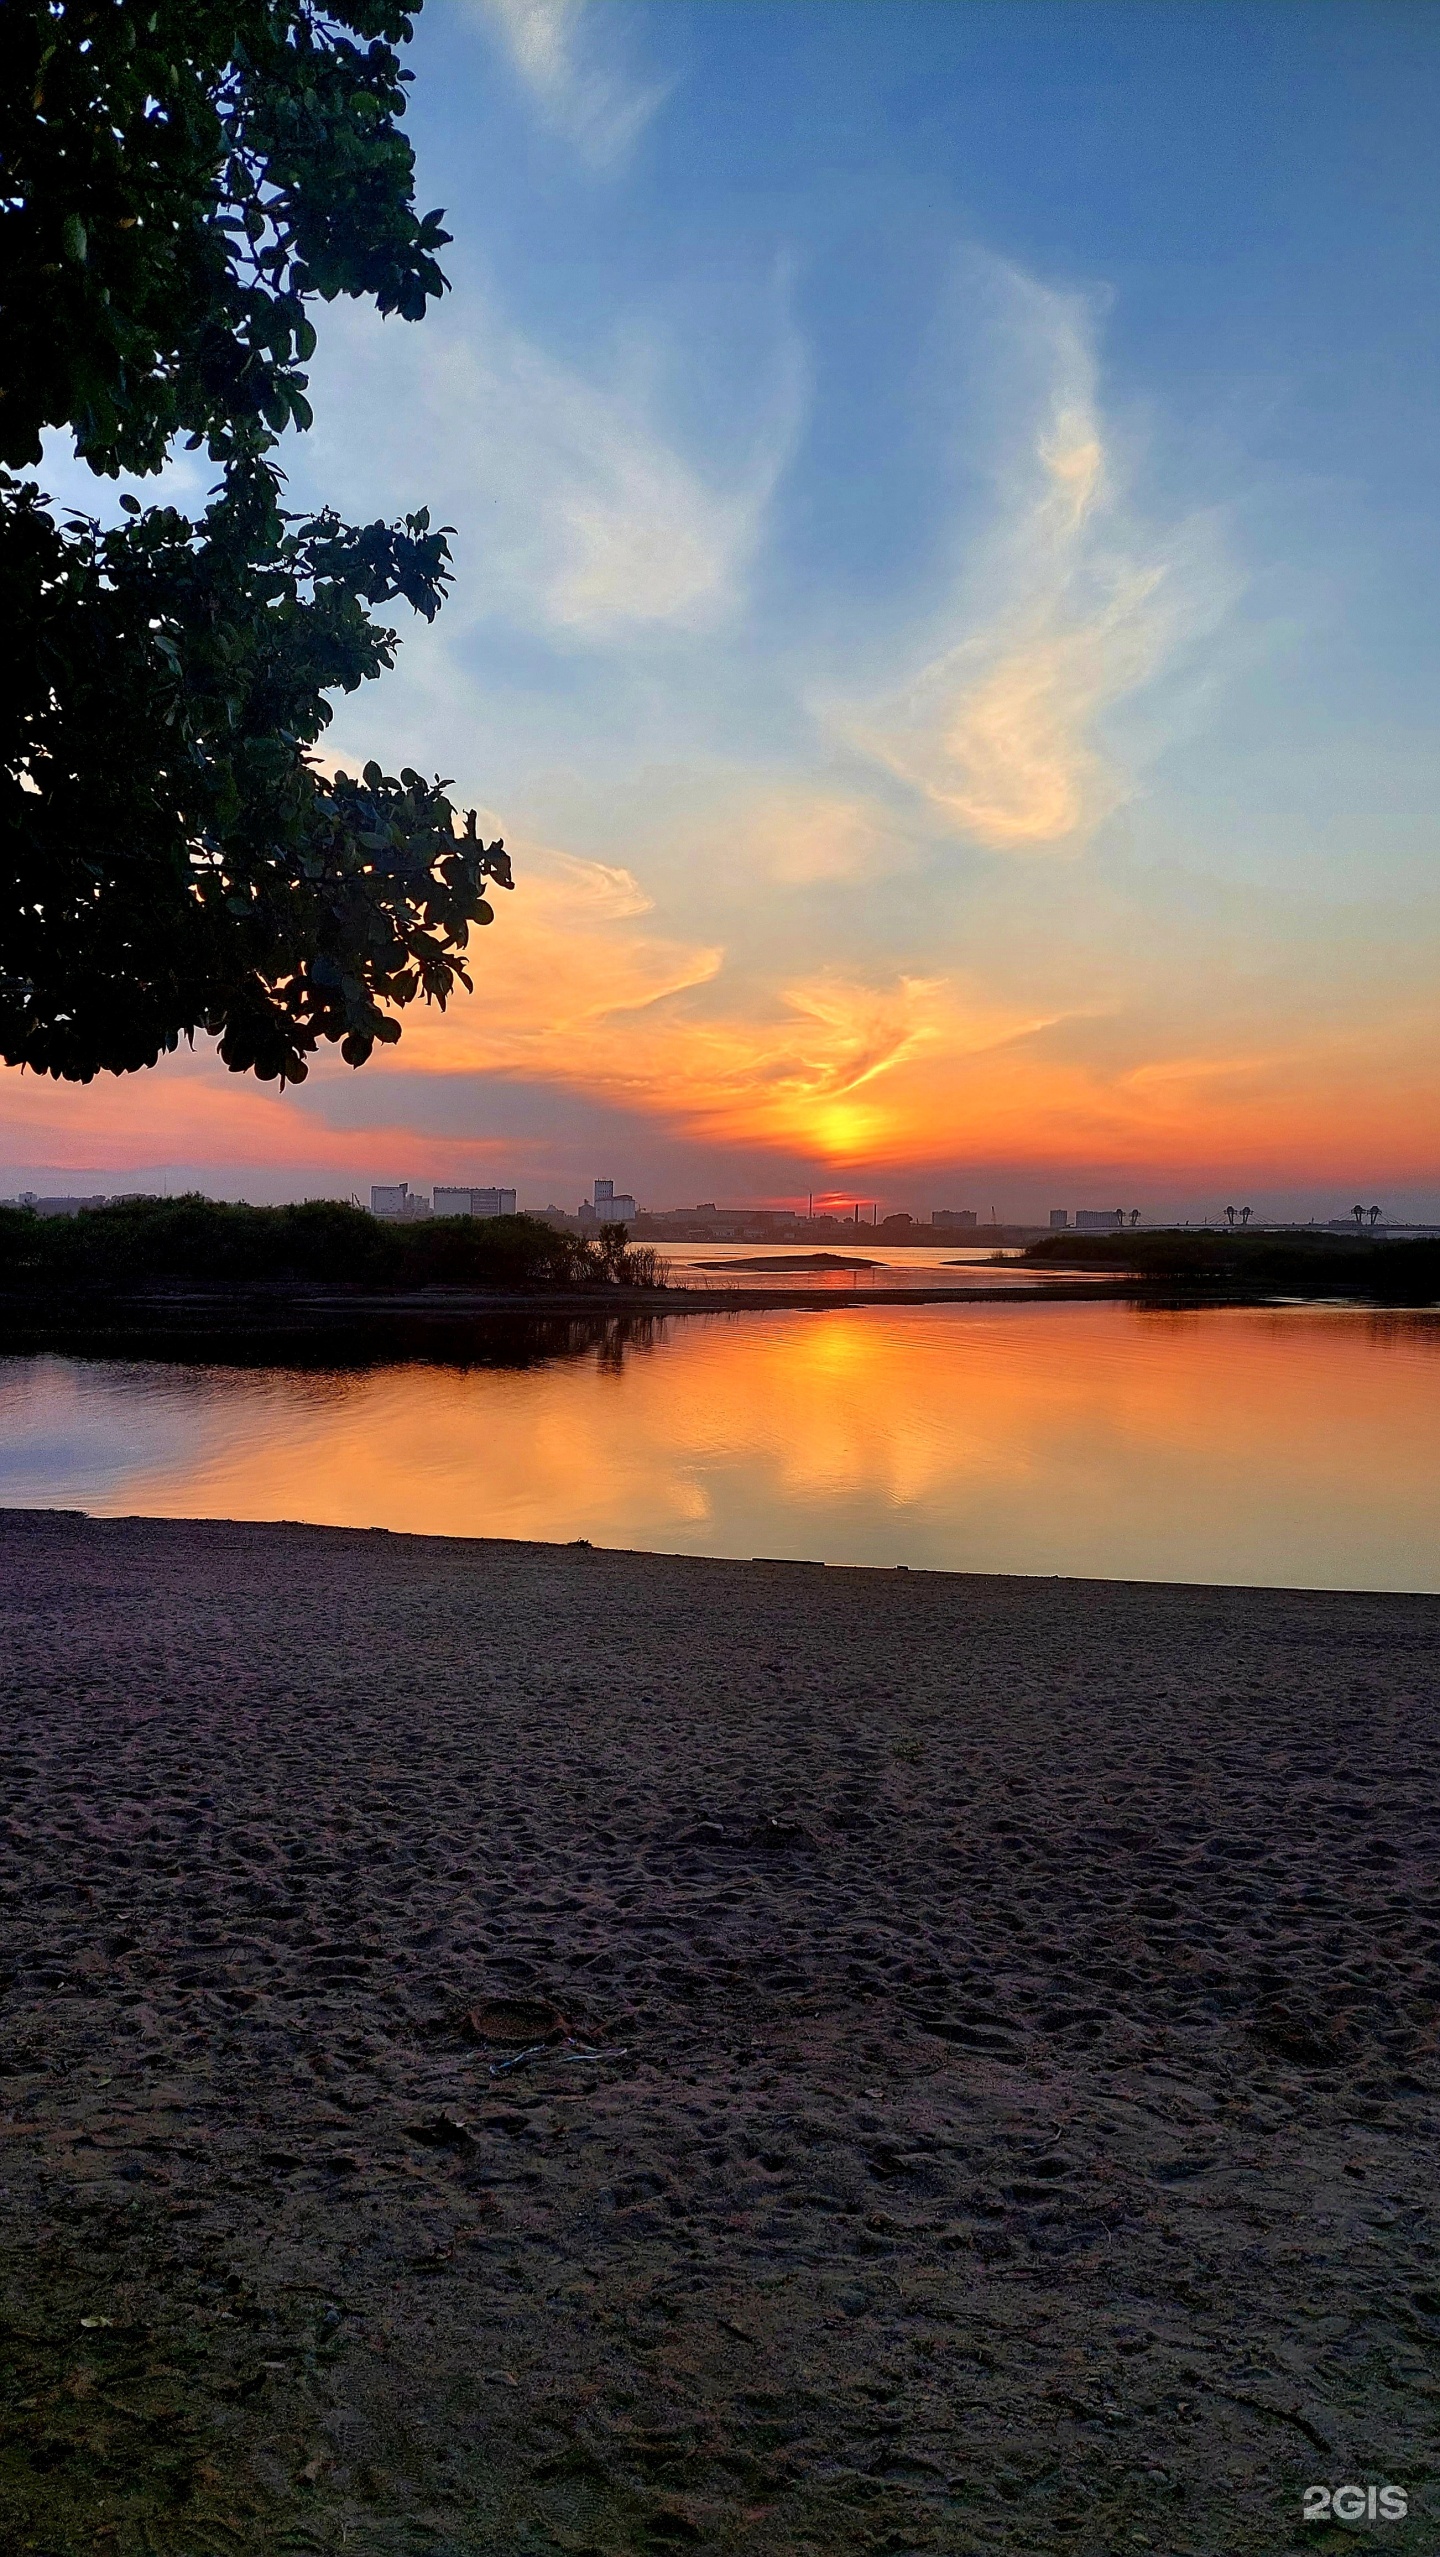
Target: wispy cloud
1069,608
563,981
554,46
775,955
578,987
805,1077
576,509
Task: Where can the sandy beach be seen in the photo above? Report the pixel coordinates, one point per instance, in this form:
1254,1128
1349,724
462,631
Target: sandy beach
517,2048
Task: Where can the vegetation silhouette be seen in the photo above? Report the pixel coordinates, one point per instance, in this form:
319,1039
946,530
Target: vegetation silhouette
196,1242
1233,1259
182,182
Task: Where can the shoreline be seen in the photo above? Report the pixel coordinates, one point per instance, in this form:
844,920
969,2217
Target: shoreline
517,2045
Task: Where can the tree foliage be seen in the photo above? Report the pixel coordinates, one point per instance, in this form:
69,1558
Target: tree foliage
149,1242
1296,1262
177,182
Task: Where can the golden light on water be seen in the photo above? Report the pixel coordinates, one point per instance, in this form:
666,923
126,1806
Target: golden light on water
1298,1448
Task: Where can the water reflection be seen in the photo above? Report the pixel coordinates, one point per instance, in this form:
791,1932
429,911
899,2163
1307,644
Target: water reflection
327,1340
1293,1446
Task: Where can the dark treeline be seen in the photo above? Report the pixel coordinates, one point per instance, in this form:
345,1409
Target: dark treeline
1325,1264
148,1242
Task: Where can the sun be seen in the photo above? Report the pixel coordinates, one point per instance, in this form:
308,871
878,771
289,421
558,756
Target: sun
841,1130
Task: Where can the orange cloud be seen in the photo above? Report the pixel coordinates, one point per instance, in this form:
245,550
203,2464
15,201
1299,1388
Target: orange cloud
563,981
578,988
575,987
582,992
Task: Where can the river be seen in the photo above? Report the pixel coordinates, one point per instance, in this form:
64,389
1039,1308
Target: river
1298,1446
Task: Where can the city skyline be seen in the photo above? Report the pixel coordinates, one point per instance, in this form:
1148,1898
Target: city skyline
946,537
48,1182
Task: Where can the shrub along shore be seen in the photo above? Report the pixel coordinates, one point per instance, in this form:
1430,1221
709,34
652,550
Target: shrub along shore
138,1243
182,1272
1260,1265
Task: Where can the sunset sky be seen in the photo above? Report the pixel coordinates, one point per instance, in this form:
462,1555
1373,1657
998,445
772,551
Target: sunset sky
947,619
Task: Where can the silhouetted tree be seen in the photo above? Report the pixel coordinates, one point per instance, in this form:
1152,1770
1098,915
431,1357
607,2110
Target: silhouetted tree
181,179
1359,1215
1245,1215
611,1250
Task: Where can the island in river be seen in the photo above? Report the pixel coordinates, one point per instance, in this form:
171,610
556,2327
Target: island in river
781,1261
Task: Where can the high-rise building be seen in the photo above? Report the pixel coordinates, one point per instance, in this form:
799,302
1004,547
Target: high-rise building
609,1206
953,1216
1059,1218
396,1198
469,1202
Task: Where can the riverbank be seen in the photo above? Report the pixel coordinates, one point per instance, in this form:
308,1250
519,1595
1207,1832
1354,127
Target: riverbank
200,1278
511,2046
282,1321
1298,1262
274,1318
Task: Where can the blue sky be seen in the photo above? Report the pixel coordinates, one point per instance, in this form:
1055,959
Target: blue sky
947,534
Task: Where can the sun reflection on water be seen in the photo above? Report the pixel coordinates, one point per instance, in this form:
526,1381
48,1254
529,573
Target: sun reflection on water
1292,1446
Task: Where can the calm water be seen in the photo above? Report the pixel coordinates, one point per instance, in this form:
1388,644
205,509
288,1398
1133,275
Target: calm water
725,1266
1298,1447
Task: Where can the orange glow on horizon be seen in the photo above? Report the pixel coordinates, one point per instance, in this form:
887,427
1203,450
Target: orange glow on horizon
876,1080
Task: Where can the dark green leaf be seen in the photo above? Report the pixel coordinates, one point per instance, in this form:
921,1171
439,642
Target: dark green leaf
173,863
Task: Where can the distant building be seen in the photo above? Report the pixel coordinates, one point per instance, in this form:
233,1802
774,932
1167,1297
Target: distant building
953,1216
705,1224
1098,1220
469,1202
608,1207
54,1207
397,1199
1059,1219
